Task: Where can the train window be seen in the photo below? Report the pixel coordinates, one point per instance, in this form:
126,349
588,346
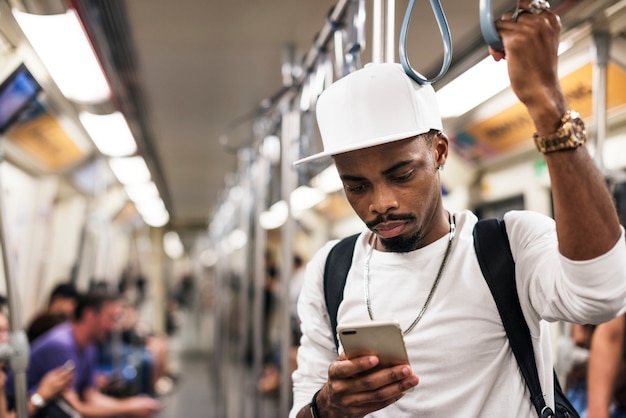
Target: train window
498,208
16,92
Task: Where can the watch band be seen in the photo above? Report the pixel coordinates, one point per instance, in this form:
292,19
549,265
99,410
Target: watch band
37,400
314,411
570,135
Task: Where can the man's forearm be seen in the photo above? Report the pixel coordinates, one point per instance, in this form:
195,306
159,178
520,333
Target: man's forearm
604,358
586,220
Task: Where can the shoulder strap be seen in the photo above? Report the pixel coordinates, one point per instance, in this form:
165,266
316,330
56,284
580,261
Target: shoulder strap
336,270
497,265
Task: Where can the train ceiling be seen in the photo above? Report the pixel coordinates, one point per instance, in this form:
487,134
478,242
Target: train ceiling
186,72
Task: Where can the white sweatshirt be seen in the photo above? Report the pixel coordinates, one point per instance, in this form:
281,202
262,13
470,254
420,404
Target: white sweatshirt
459,349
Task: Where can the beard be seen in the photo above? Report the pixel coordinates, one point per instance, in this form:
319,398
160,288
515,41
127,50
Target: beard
401,244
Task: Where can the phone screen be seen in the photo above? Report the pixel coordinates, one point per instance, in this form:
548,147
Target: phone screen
69,365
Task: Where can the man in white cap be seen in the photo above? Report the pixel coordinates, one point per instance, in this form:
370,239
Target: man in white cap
385,135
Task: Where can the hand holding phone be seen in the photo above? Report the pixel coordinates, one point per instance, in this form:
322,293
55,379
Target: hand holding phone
381,338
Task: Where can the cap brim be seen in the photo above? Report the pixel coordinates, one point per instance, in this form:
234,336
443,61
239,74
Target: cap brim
360,145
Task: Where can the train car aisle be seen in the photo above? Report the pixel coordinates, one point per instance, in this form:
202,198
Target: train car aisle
194,396
201,391
190,355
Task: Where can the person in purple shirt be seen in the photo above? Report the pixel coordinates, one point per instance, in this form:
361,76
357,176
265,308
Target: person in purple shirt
73,344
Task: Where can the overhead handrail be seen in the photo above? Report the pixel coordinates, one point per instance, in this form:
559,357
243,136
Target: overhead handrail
444,30
488,29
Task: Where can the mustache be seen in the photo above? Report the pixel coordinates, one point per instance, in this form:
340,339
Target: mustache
391,217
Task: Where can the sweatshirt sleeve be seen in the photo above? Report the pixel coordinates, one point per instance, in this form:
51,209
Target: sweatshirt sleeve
557,288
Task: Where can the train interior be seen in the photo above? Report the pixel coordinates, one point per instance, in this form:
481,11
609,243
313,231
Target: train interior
217,274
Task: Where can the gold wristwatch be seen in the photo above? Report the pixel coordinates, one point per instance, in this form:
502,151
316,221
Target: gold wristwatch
570,135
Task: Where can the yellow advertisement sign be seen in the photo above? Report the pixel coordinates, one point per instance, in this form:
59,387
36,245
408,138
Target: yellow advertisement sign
44,139
513,127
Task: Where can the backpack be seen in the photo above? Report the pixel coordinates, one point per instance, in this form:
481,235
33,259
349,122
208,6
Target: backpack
498,267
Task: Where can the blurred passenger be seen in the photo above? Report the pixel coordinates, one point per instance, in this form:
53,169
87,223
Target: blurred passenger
96,315
51,387
136,345
61,305
186,291
147,353
270,381
597,388
63,299
295,287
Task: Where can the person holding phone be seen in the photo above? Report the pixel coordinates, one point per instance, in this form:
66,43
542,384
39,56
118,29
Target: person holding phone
96,315
51,386
416,264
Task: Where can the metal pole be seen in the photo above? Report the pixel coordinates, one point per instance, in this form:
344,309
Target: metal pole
260,242
602,44
390,27
290,135
377,31
218,409
245,209
17,340
220,360
324,36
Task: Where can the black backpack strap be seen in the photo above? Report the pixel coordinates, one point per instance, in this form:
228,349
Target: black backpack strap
497,265
336,270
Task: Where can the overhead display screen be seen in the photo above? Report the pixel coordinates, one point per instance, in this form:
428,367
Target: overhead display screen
16,92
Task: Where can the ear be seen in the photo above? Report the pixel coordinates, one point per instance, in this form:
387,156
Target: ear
440,149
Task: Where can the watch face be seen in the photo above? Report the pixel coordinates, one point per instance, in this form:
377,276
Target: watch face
578,128
37,400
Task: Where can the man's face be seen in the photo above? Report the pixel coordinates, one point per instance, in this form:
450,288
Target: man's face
107,320
395,189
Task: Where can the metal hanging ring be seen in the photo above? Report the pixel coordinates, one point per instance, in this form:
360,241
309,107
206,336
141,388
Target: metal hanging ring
488,29
446,38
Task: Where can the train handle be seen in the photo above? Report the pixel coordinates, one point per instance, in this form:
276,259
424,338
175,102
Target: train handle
446,38
488,29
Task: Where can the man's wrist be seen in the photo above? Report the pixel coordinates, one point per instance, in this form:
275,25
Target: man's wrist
37,400
315,413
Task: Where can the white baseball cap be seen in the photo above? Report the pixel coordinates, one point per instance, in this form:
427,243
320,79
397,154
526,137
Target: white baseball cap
375,105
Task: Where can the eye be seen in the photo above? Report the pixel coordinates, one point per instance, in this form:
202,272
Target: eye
403,177
355,188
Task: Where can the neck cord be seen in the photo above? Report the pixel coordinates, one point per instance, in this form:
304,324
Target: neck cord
366,277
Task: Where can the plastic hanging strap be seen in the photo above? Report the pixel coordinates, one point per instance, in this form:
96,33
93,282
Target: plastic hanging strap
445,37
488,29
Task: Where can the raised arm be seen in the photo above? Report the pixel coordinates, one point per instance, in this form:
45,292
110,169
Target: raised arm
586,220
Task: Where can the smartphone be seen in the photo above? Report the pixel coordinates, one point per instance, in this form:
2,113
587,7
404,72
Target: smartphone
69,365
381,338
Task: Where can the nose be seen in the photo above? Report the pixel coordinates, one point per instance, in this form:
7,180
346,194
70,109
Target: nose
383,200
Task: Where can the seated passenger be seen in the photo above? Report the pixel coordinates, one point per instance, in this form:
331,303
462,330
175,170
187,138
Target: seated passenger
95,317
53,384
125,365
61,305
597,387
138,332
